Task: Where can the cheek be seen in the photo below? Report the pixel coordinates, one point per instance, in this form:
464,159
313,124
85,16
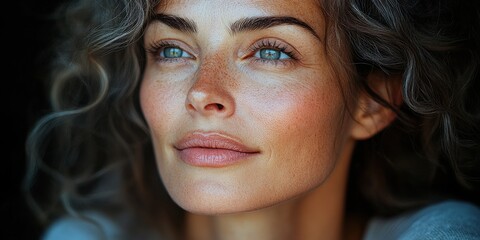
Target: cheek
159,104
301,126
313,116
312,111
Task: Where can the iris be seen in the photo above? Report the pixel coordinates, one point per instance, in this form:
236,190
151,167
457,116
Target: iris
270,54
172,52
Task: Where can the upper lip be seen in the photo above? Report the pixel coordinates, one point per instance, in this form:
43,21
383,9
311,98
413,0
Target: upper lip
212,140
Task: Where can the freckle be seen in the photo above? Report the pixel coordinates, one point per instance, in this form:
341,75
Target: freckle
217,65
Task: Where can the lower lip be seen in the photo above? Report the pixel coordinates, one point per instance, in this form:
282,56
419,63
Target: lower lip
209,157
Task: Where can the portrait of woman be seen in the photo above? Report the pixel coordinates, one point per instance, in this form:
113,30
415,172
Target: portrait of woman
260,119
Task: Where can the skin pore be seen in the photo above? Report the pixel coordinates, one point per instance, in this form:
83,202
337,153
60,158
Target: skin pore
254,72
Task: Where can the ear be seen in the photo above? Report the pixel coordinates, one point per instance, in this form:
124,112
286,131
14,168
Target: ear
371,117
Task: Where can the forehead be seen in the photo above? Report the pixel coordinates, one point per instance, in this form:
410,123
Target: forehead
229,10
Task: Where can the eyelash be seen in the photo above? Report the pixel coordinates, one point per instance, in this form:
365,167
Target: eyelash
275,45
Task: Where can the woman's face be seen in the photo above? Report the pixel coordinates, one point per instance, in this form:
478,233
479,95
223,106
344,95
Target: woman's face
243,106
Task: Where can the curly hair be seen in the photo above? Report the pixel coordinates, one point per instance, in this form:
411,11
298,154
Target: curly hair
90,148
433,150
93,151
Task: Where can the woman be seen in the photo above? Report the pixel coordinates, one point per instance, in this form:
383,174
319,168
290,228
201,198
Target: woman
262,120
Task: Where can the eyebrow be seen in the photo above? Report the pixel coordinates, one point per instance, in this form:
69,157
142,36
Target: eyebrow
179,23
258,23
241,25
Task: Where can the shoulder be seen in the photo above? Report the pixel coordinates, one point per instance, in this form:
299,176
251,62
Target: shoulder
444,220
93,226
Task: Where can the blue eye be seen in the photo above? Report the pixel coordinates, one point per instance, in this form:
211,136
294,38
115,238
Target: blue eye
271,54
173,52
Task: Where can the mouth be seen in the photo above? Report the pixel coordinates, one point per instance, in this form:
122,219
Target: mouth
212,150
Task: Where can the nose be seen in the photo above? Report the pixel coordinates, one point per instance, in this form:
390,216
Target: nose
211,93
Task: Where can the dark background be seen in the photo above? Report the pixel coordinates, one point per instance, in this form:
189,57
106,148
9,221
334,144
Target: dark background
26,32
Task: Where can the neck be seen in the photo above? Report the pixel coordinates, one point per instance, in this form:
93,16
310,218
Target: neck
318,214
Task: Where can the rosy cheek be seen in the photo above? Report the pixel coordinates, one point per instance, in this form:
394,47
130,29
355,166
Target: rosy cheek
296,115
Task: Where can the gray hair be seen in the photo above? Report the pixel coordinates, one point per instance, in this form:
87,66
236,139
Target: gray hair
433,150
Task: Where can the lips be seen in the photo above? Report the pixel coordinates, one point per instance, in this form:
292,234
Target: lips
212,150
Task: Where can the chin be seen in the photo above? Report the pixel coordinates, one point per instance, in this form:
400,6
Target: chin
211,200
220,209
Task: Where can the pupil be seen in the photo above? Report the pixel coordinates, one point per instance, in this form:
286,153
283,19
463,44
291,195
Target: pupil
270,54
172,52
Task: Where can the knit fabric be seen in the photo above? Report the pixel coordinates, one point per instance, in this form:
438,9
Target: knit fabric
448,220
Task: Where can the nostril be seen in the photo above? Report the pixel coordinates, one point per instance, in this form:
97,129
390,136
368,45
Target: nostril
214,107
